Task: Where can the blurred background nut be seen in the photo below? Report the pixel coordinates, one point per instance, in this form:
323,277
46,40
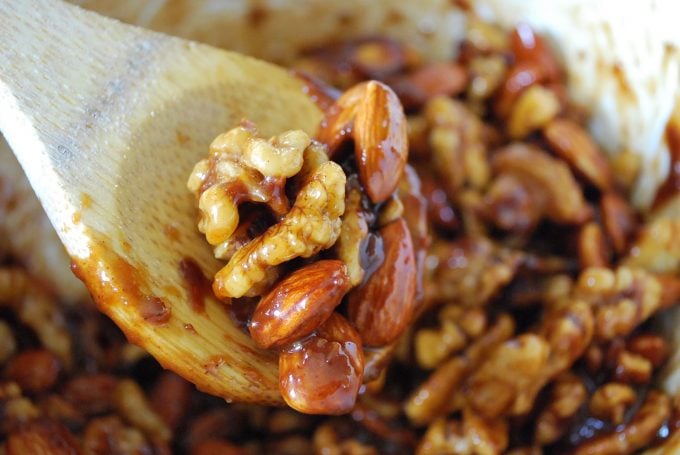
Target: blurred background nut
534,108
611,401
567,395
34,370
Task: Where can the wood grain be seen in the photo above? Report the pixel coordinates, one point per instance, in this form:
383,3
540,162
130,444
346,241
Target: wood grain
107,121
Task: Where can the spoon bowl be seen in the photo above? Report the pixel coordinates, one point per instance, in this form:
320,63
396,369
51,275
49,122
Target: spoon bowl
107,121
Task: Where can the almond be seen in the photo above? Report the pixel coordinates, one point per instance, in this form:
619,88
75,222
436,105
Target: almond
573,144
299,303
338,124
385,304
322,374
42,437
380,141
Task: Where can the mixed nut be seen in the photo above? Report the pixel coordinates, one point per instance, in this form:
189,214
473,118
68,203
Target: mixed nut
450,265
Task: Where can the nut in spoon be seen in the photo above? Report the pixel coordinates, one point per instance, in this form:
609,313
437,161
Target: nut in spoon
107,121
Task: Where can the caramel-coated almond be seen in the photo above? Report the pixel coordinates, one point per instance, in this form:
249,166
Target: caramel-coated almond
380,141
322,374
299,303
385,305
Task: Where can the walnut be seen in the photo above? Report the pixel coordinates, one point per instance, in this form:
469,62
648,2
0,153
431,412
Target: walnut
311,225
621,298
354,231
474,435
470,271
534,108
610,401
636,434
458,150
567,395
131,402
507,382
243,167
657,247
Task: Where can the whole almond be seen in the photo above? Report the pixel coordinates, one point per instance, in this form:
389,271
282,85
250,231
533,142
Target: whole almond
322,374
338,124
573,144
385,304
299,303
380,141
42,437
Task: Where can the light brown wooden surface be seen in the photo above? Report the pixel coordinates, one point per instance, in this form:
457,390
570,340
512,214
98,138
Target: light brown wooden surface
107,120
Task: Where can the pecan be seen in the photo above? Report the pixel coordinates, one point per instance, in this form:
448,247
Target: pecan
572,143
385,304
93,394
299,303
322,373
370,113
34,370
312,224
170,398
652,347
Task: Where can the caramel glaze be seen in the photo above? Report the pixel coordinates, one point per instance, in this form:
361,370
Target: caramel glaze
114,281
322,94
196,283
671,186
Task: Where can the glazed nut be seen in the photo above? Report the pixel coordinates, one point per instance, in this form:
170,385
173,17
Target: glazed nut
640,431
592,247
548,176
299,303
243,167
566,397
322,373
618,220
534,109
433,346
313,224
372,115
610,401
34,370
381,141
131,402
385,304
353,232
42,437
652,347
571,142
633,368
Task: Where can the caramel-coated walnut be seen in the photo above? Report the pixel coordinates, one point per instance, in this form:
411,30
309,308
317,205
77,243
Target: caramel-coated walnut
311,225
567,395
637,433
240,167
621,298
610,401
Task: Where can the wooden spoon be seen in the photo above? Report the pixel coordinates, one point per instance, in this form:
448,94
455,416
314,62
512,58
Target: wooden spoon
107,121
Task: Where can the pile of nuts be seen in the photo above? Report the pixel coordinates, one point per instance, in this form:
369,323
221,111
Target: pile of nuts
450,263
313,232
496,220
